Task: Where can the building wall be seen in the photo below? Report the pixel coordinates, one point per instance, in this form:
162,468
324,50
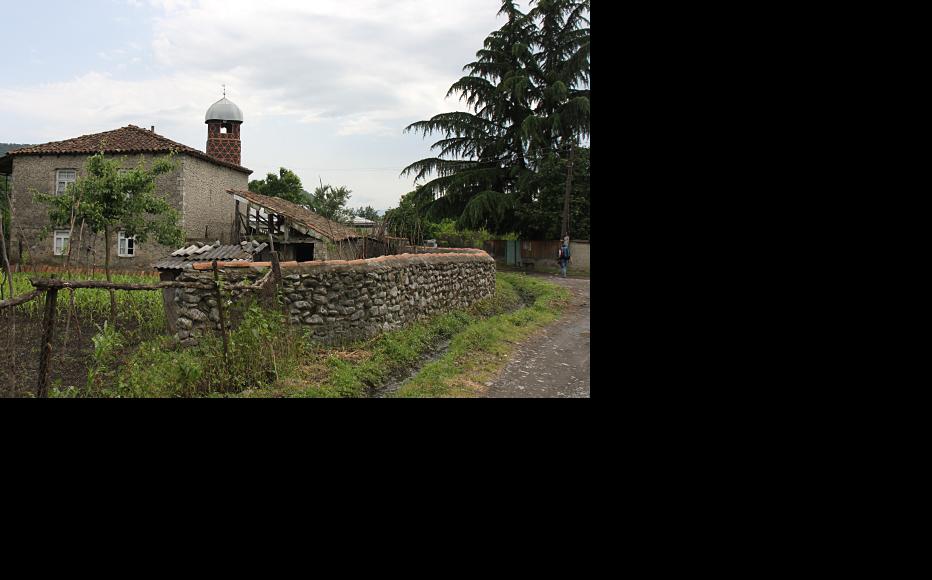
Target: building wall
32,236
342,301
208,208
579,256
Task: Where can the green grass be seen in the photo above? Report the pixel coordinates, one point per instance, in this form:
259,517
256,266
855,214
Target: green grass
480,350
353,372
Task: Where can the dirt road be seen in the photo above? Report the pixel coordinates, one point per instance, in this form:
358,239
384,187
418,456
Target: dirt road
555,362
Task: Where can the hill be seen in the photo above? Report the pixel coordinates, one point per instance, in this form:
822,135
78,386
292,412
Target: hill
4,147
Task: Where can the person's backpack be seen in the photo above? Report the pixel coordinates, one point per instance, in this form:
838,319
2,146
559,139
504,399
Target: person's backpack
564,253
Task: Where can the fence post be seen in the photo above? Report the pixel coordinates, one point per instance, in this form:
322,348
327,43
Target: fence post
223,324
277,276
45,353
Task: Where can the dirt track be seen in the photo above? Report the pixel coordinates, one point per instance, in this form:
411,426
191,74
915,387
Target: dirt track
555,362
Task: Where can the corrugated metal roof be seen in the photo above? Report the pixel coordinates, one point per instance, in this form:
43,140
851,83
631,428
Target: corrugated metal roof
184,257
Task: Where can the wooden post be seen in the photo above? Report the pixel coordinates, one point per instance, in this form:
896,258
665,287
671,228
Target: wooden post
45,352
277,276
276,269
234,239
223,324
168,302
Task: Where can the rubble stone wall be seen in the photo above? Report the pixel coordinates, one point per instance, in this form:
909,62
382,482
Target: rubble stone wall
342,301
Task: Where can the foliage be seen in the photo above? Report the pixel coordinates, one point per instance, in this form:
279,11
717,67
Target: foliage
143,307
529,94
286,185
368,212
262,350
330,202
409,219
546,186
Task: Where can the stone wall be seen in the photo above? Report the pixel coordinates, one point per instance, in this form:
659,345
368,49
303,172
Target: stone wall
342,301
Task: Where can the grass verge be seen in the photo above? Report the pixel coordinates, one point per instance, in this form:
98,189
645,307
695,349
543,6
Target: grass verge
268,358
479,351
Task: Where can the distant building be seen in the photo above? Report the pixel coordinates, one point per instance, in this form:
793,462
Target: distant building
197,189
364,225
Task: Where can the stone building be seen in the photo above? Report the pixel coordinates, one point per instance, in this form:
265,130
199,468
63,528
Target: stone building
197,189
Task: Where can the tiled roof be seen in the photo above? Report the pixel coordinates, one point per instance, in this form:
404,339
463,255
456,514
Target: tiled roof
126,140
184,257
324,227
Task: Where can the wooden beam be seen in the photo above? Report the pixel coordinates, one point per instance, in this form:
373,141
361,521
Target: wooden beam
19,299
49,283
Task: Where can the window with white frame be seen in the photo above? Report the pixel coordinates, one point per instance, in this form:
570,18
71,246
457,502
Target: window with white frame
63,177
126,245
60,245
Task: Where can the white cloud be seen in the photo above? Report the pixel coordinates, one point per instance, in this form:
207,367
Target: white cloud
345,69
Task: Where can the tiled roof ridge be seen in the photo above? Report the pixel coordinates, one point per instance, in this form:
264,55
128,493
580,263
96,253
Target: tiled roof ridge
161,143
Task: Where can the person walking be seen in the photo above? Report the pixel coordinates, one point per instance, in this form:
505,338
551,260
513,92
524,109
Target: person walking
564,256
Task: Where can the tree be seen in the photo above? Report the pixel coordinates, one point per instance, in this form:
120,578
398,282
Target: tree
330,202
477,185
107,198
539,220
285,185
528,93
561,77
367,212
409,219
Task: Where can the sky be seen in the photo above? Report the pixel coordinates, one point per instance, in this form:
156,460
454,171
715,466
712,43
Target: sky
326,87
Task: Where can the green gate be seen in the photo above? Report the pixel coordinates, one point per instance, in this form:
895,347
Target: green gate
512,252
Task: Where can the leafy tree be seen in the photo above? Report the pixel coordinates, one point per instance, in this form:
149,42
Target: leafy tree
409,219
285,185
547,185
367,212
330,202
107,198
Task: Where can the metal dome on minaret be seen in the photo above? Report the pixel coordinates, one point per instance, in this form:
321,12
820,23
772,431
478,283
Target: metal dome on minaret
223,130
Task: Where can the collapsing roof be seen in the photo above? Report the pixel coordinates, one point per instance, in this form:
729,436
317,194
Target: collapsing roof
299,216
185,257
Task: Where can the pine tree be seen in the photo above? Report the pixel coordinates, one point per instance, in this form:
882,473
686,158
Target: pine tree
528,91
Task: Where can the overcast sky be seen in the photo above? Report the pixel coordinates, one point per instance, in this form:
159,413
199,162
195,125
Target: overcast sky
326,87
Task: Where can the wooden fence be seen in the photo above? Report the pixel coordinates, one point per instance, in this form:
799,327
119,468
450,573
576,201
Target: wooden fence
268,287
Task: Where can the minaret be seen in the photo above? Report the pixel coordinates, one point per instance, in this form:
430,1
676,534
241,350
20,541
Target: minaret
223,121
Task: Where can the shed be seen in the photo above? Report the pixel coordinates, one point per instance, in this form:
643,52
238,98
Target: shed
297,233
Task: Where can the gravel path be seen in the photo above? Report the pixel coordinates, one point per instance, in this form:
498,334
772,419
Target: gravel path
555,362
